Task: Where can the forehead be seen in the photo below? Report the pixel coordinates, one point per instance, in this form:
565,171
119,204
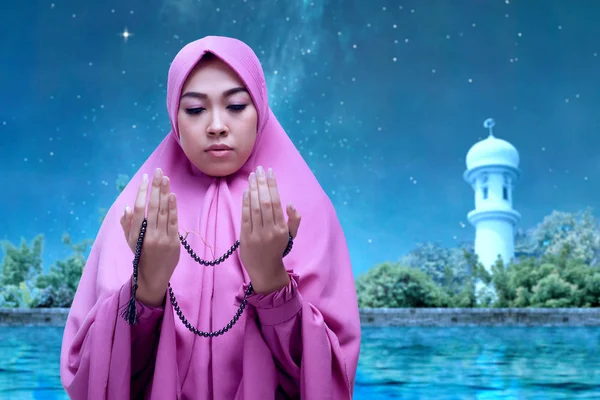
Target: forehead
214,74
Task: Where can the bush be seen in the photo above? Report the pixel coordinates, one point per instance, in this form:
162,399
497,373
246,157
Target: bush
557,266
60,283
389,285
23,284
21,264
554,280
557,279
445,266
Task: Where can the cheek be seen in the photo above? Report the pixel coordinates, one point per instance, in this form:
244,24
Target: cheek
250,127
181,126
249,141
187,129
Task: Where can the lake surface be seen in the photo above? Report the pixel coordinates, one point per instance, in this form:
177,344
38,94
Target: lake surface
395,363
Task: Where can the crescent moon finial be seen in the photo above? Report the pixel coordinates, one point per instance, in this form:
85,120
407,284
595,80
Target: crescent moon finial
489,124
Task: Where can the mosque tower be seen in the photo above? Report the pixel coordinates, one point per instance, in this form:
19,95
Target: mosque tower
492,171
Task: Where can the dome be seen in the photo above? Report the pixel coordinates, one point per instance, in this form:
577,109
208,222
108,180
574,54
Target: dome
492,151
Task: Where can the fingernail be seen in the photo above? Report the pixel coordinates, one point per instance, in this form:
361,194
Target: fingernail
165,180
292,206
157,173
252,177
127,209
245,195
260,171
270,173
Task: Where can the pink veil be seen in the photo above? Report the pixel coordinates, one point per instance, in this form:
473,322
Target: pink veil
95,359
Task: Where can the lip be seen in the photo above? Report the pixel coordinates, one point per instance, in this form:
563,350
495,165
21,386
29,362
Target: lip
218,147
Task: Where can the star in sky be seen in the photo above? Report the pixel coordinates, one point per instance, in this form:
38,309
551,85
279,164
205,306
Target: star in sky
126,34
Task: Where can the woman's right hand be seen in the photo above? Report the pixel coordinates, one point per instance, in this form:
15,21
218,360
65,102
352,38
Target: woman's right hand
161,246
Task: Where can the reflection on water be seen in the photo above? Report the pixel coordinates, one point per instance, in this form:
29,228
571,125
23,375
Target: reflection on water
29,363
395,363
479,363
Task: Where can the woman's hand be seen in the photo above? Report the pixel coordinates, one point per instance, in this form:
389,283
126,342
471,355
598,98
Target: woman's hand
265,232
161,248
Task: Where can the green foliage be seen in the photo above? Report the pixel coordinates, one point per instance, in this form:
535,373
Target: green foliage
554,280
24,284
18,270
579,231
21,263
11,296
466,297
446,267
122,181
389,285
60,283
557,265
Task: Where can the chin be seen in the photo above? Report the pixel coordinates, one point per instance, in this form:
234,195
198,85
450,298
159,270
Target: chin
219,171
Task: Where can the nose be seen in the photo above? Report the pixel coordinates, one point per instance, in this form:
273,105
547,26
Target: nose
217,125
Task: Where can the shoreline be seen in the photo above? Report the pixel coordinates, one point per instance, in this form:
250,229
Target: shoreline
383,317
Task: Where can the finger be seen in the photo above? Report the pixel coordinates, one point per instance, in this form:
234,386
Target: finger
246,215
128,219
293,220
266,207
139,208
254,203
154,202
173,228
124,224
275,200
163,204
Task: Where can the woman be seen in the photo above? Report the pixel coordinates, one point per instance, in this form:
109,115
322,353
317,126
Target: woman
173,328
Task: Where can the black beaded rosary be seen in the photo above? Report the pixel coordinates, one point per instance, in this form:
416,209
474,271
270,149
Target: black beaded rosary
130,313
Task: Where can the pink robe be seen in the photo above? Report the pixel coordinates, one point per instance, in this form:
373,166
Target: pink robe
299,342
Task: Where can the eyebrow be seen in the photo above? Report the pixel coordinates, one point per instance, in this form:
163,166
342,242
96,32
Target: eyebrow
226,93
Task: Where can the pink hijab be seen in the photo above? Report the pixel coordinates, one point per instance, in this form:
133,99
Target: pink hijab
96,356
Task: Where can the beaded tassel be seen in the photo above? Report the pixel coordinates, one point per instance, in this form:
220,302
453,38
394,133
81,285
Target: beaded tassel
130,313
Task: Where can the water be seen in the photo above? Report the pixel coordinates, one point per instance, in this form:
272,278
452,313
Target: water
396,363
479,363
29,363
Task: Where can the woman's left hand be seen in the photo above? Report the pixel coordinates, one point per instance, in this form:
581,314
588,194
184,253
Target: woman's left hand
265,232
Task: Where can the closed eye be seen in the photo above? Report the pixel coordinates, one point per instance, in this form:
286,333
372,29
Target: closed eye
198,110
194,111
237,107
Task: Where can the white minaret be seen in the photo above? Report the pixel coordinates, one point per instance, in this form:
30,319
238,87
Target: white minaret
492,170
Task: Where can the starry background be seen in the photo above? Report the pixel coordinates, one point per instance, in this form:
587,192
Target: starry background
383,99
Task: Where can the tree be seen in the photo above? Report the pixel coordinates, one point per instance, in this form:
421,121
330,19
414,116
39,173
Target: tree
580,231
392,285
59,285
553,280
22,283
19,268
446,266
23,263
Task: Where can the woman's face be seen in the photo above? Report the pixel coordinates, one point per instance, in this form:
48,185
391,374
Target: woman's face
217,119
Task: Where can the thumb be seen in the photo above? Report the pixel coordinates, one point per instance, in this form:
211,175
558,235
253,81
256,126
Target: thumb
126,222
293,220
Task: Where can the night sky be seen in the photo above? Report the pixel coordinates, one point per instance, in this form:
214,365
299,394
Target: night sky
383,99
